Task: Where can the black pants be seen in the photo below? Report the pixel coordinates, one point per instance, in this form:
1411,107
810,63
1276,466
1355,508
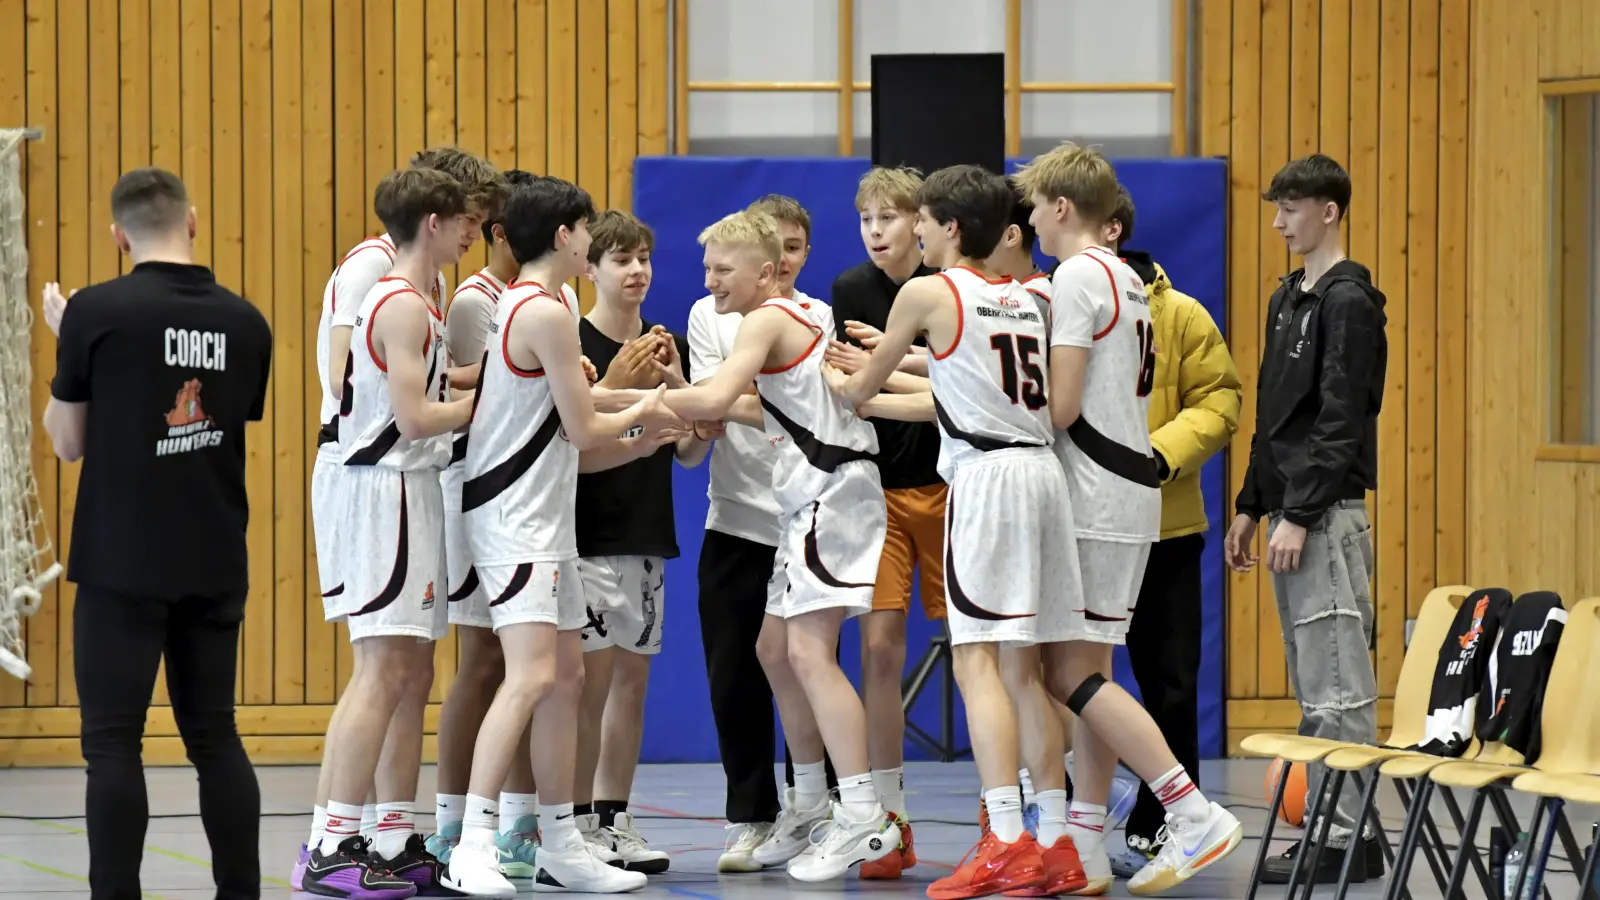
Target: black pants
1164,648
119,642
733,577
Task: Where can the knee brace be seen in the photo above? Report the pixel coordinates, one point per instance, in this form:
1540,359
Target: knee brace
1084,693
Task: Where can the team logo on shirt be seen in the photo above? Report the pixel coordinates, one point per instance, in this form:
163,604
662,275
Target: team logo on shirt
188,426
427,597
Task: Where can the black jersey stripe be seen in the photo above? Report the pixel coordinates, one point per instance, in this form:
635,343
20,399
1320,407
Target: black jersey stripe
952,583
814,558
519,580
823,456
978,442
373,453
458,449
402,554
1118,459
329,432
491,484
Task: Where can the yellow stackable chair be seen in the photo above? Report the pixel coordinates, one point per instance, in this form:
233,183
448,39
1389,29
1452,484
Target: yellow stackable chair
1564,724
1410,717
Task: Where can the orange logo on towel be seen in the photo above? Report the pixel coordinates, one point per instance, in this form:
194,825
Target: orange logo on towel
186,408
1471,637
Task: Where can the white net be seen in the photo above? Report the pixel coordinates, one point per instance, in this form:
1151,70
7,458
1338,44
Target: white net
27,559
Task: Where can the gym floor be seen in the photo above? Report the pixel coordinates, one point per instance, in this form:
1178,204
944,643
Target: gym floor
43,852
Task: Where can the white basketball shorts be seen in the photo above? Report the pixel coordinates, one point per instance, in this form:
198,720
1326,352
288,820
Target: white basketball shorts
622,596
394,567
550,592
1010,570
469,605
831,545
1112,573
328,523
778,583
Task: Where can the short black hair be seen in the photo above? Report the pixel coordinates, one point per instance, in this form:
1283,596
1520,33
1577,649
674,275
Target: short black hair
149,201
1123,215
405,199
1021,212
509,179
533,212
979,201
1317,177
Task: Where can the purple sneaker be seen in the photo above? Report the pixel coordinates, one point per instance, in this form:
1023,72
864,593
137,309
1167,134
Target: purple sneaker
348,873
416,865
299,868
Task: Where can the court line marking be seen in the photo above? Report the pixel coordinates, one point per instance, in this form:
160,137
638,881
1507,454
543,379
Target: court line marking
171,854
60,874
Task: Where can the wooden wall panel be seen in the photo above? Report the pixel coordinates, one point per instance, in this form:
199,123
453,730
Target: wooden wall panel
1382,88
282,116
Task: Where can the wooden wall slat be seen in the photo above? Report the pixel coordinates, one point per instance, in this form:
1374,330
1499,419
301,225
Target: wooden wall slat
1305,77
1272,675
653,76
592,119
1244,325
13,111
532,101
289,413
43,218
1334,135
134,37
1422,184
1450,407
472,102
622,93
440,112
561,88
501,87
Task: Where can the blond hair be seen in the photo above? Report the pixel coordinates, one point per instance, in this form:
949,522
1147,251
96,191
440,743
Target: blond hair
756,230
1079,174
896,188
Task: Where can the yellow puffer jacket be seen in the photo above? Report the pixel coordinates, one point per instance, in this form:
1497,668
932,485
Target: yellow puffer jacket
1194,406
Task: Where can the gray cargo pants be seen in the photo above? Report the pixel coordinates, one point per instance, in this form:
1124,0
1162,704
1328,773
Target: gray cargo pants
1325,610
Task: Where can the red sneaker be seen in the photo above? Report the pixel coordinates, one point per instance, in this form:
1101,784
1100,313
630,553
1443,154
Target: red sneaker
993,867
1063,871
898,860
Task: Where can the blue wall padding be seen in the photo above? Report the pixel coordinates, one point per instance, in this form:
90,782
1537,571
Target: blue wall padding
1181,222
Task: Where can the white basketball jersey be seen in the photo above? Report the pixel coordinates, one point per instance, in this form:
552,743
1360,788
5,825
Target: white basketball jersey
521,472
370,260
1098,303
814,430
368,433
990,388
491,287
1038,286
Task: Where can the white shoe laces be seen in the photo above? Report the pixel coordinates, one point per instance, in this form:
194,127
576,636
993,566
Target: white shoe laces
747,836
834,833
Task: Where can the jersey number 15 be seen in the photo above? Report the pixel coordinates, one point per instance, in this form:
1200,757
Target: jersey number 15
1020,375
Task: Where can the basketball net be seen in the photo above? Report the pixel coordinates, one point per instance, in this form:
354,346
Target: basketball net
27,558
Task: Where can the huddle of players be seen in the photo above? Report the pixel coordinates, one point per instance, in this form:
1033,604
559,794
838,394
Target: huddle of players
1036,598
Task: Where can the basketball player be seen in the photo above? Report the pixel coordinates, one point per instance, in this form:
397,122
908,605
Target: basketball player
394,441
625,534
481,668
534,415
831,503
350,282
1102,358
1004,522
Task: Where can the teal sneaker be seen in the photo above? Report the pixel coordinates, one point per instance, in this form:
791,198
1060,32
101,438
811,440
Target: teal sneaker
517,847
440,843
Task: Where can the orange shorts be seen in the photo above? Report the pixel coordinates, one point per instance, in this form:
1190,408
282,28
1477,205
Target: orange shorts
915,537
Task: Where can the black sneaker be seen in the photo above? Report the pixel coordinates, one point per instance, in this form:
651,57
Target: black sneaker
347,873
1368,864
416,866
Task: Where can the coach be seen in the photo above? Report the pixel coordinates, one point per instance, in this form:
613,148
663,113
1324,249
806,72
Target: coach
157,373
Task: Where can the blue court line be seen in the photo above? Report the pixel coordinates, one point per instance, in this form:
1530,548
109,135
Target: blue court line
60,874
674,889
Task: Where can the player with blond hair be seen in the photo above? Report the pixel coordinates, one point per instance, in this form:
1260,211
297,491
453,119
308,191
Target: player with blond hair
1102,359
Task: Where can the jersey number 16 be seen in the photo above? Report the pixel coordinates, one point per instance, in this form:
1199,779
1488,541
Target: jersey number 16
1020,375
1147,358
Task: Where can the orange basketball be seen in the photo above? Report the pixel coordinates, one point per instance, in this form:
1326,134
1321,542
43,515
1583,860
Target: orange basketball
1293,810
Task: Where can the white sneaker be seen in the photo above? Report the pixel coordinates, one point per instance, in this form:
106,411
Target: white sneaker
1097,869
842,842
581,870
599,839
1186,848
791,834
738,854
475,870
634,850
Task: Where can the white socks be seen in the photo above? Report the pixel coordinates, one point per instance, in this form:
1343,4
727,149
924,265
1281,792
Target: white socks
891,787
514,807
369,822
343,822
448,811
558,827
1005,812
319,823
1086,824
1027,786
397,822
857,796
810,785
1052,816
1180,796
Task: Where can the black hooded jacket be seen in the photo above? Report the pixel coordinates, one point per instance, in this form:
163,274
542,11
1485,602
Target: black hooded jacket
1319,392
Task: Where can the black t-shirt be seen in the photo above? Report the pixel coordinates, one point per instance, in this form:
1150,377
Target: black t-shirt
908,452
172,366
626,511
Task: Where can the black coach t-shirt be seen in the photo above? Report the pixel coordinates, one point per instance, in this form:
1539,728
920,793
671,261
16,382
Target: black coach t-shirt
908,452
172,366
626,511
